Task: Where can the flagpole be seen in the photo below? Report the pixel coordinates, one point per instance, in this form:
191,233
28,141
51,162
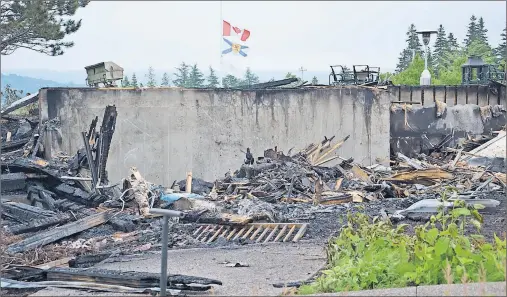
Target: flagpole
221,30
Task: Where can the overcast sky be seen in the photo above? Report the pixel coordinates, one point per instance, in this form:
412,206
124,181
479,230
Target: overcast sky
284,35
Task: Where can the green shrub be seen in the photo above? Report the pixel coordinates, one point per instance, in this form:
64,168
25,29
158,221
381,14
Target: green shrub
373,254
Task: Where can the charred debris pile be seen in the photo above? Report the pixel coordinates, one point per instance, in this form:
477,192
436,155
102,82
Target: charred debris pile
65,212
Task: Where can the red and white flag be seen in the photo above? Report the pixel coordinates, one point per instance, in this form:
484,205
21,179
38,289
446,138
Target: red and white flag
231,31
235,50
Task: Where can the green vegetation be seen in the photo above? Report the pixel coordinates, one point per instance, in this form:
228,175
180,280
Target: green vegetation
373,253
40,26
444,62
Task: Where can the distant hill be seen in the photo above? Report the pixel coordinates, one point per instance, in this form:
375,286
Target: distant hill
31,84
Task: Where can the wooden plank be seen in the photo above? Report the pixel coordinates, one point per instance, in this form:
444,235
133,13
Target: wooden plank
55,263
188,186
233,231
248,232
205,237
290,233
271,234
45,238
214,236
240,233
256,232
263,234
281,233
300,233
203,232
124,278
335,147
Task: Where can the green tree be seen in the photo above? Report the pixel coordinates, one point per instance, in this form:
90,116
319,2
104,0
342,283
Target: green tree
141,85
500,53
196,77
452,42
212,79
134,81
315,81
412,74
165,80
250,78
472,31
451,74
482,31
10,95
290,75
481,49
40,26
125,82
413,44
441,48
151,78
230,81
182,76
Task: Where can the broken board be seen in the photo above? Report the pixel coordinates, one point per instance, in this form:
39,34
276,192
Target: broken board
258,232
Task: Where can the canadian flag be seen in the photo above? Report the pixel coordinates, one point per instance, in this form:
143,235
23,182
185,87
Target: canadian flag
229,30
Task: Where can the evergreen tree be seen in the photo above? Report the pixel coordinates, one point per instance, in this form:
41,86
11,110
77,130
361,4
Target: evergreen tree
134,81
196,78
452,42
182,76
315,81
125,82
500,50
431,61
480,49
411,75
250,78
165,80
141,85
413,44
40,26
441,48
230,81
151,78
212,79
472,32
10,95
482,31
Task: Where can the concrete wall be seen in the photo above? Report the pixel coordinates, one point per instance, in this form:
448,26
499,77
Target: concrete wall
451,95
423,128
167,132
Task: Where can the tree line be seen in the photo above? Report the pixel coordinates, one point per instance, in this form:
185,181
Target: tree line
447,55
190,76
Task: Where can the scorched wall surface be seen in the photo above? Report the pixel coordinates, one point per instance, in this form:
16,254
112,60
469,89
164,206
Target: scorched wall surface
167,132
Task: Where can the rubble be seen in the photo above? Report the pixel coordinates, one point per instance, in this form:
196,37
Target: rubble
277,197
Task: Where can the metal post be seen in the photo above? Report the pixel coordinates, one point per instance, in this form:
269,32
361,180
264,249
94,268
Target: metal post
165,230
163,269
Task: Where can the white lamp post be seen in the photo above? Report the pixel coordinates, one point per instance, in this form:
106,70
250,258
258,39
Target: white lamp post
425,79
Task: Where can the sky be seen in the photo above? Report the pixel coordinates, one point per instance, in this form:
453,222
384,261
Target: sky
284,35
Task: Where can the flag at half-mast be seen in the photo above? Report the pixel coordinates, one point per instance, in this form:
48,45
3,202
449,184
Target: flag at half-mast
234,40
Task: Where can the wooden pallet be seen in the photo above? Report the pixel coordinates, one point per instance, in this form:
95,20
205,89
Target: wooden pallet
260,232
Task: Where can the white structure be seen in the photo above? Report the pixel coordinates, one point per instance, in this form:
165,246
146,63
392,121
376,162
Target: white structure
425,79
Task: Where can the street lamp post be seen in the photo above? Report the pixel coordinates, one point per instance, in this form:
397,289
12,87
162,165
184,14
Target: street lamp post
425,79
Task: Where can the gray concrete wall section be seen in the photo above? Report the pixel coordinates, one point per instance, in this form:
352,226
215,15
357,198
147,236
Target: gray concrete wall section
424,127
451,95
167,132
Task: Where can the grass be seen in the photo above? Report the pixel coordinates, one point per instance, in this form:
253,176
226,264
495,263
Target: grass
375,254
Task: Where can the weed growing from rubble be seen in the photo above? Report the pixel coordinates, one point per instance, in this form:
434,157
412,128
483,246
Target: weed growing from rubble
374,254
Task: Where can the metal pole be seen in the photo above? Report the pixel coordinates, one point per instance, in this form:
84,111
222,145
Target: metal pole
163,269
165,230
426,59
